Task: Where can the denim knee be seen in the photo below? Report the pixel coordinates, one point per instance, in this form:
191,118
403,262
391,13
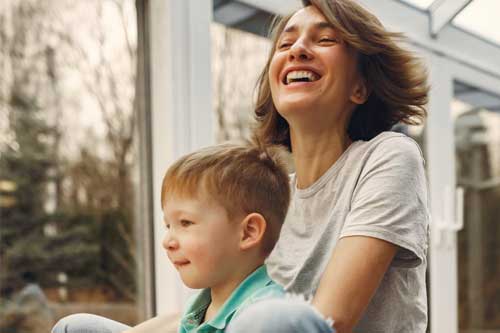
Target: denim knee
280,315
88,323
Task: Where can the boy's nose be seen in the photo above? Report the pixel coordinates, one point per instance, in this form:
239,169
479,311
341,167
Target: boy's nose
169,242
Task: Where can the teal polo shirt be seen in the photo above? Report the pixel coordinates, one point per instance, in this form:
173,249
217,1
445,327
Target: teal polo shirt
255,287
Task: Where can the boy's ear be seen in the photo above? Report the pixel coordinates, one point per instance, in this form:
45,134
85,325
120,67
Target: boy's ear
253,228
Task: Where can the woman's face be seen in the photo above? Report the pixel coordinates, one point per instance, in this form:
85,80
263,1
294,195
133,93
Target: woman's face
312,72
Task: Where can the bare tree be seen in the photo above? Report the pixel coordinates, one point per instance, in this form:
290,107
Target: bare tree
238,58
110,78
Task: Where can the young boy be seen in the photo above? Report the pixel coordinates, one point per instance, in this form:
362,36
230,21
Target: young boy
223,208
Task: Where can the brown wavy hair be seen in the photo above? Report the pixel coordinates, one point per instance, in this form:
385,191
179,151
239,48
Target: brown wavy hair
396,78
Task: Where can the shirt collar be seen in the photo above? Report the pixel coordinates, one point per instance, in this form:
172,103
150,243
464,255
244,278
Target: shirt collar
255,281
196,310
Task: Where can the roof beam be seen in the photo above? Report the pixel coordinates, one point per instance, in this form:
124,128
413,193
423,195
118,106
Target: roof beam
281,7
232,13
442,12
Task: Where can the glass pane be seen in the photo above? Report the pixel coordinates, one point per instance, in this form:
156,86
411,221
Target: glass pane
233,94
477,133
479,18
68,162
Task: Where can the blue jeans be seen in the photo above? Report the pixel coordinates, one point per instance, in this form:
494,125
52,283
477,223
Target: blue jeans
88,323
280,316
267,316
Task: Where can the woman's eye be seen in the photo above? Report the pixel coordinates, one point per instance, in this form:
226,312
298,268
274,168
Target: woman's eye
186,223
167,226
327,40
284,45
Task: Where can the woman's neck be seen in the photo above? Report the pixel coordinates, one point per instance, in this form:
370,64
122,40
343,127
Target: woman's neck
315,153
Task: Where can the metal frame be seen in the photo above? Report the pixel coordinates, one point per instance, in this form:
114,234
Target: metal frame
442,12
440,155
144,216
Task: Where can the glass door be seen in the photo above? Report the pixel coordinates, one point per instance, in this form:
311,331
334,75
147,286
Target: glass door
72,238
476,116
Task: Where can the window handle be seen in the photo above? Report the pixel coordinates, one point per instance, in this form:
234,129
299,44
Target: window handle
453,216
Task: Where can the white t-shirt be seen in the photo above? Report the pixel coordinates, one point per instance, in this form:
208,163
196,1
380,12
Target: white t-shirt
376,188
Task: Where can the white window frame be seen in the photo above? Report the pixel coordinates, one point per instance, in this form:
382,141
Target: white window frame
181,108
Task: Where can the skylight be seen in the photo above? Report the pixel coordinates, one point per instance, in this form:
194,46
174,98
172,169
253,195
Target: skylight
480,17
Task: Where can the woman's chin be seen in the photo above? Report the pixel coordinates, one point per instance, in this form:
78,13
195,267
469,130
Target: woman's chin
293,108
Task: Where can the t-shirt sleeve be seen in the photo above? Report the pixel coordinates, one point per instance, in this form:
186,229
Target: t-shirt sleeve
390,200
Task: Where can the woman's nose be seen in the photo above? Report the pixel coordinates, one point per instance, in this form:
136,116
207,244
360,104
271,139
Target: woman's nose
299,51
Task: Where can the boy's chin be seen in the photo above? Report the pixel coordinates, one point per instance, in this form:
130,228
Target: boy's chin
193,284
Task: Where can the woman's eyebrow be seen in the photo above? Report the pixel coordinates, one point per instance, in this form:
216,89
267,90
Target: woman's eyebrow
317,26
323,25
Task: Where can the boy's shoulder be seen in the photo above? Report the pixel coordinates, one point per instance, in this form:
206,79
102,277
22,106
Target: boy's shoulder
261,287
272,290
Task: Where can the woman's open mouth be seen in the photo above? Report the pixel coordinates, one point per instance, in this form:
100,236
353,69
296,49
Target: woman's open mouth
299,77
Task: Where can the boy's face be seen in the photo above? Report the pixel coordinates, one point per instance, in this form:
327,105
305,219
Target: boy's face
201,241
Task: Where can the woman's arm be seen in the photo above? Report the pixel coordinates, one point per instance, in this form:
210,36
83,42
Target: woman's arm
388,213
351,278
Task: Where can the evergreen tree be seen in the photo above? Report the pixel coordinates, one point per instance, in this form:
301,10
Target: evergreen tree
88,231
32,237
26,164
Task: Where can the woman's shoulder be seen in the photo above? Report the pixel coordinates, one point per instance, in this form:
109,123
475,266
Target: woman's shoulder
392,145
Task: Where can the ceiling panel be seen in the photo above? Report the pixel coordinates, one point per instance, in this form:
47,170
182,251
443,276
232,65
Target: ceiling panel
480,17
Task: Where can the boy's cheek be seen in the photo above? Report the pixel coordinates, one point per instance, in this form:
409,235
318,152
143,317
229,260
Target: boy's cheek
164,242
197,248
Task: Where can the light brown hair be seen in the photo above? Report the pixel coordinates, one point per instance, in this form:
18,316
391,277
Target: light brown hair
243,179
396,78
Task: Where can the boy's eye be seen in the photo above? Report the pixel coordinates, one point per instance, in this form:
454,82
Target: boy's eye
186,223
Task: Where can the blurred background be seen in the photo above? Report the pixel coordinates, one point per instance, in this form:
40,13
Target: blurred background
98,97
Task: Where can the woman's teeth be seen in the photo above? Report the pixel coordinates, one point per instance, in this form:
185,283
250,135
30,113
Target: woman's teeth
307,76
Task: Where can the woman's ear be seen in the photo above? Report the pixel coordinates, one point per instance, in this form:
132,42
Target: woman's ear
253,228
361,92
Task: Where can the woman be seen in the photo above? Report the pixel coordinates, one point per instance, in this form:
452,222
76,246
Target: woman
355,238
